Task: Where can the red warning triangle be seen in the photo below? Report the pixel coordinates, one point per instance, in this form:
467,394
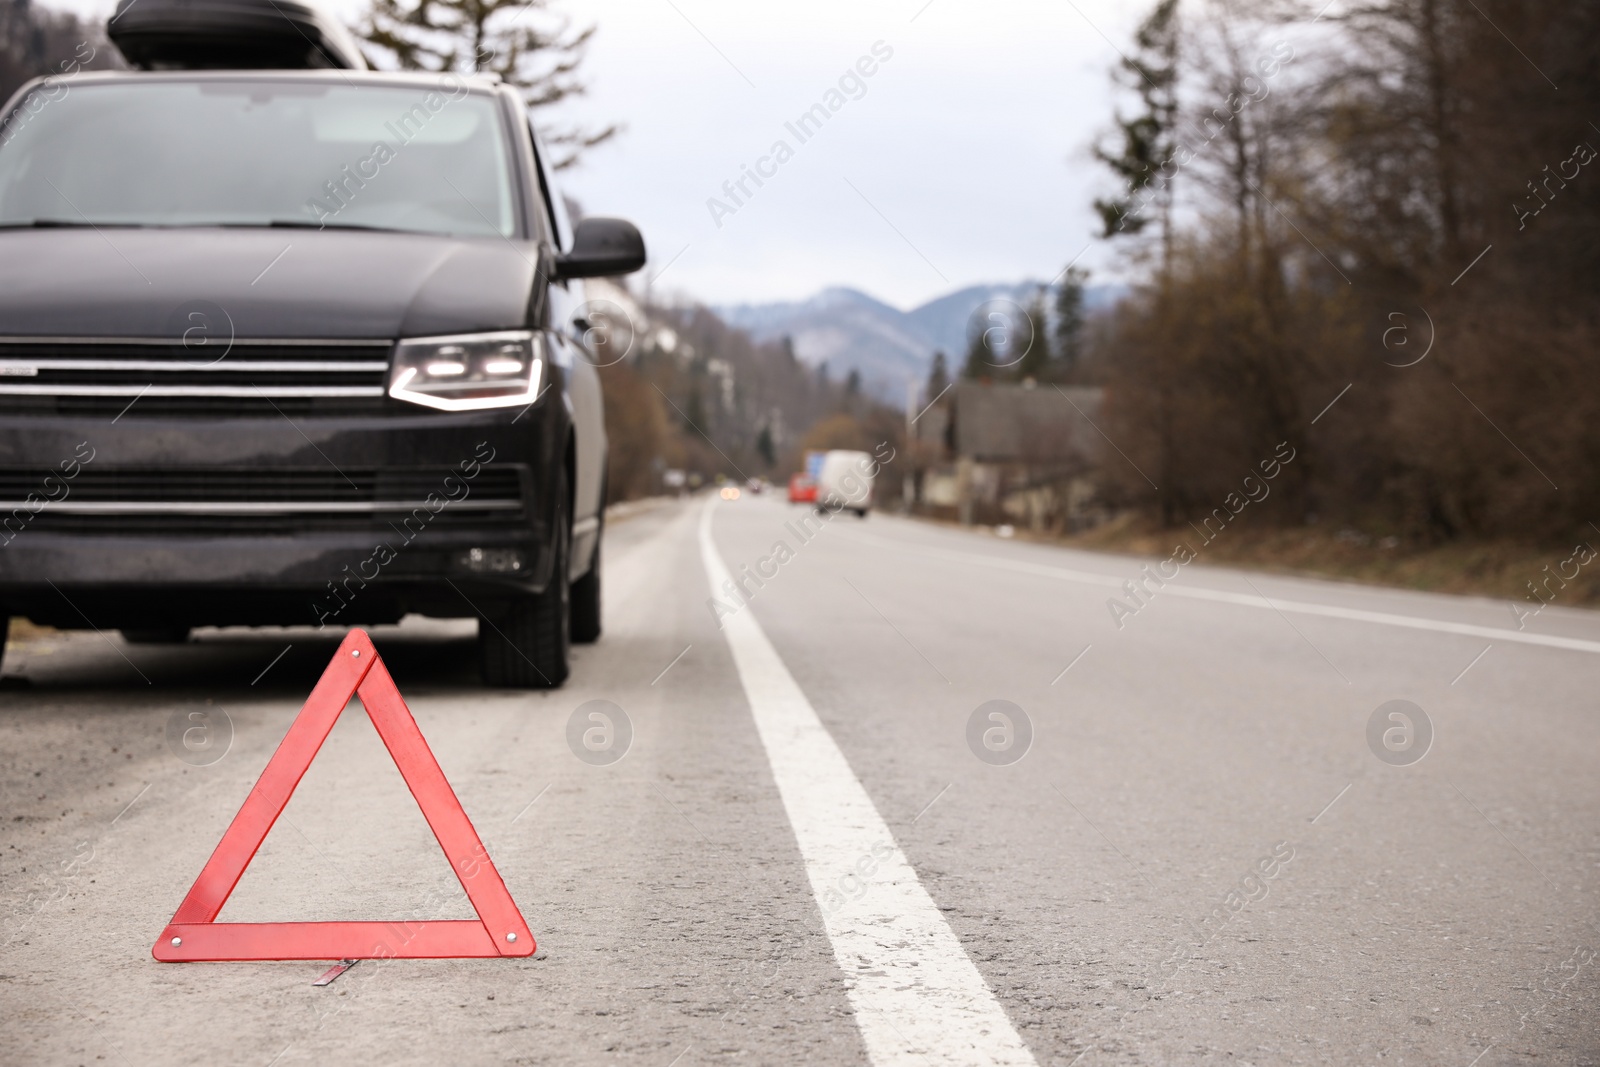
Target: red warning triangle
499,929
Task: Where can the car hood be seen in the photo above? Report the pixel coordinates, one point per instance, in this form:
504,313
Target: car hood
268,283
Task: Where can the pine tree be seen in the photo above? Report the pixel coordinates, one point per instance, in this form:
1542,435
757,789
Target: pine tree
1147,140
1069,319
1147,144
938,377
1031,342
980,364
1002,336
695,411
540,56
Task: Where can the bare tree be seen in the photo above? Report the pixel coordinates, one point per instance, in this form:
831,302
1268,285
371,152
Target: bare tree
526,42
1388,169
35,41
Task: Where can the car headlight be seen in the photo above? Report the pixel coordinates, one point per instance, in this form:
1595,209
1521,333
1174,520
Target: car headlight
469,372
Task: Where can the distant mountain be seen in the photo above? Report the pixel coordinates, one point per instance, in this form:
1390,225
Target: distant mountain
851,330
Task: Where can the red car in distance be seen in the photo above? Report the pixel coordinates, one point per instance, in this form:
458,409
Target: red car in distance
802,490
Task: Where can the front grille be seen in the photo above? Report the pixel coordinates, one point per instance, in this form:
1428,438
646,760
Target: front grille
147,378
263,500
125,408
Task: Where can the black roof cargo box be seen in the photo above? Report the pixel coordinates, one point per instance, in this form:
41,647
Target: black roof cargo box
231,35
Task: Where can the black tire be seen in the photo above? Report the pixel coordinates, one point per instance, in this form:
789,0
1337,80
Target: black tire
5,633
157,635
586,596
525,646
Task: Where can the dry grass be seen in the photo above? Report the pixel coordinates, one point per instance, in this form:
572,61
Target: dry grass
1501,569
1487,568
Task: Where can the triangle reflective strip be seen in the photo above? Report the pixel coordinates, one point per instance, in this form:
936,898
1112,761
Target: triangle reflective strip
499,930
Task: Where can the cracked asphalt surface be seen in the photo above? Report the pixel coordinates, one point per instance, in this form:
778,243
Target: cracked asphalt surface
1200,859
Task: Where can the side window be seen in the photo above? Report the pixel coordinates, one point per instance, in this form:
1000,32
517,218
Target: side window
552,196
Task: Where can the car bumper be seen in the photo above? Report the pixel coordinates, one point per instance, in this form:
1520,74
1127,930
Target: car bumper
280,520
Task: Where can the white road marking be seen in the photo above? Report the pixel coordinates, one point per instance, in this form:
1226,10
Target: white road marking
917,996
1173,589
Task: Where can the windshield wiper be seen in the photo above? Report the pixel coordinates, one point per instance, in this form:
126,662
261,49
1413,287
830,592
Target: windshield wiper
273,224
304,224
63,224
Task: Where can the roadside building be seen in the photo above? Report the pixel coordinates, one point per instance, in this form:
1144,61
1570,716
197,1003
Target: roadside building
1022,454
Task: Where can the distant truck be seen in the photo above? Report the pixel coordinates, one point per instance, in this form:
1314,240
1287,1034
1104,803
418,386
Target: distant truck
844,482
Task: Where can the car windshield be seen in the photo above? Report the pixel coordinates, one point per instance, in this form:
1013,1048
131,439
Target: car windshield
258,153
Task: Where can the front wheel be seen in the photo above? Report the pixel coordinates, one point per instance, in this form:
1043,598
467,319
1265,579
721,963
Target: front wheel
586,602
586,590
525,646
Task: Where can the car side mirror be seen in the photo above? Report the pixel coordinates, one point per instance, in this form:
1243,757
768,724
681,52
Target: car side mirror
601,248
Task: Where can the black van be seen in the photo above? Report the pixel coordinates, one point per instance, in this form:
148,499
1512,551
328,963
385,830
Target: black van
288,341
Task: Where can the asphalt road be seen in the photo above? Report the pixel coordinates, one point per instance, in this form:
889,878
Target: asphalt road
1178,843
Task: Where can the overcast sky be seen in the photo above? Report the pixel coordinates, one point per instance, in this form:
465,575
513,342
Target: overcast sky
966,159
